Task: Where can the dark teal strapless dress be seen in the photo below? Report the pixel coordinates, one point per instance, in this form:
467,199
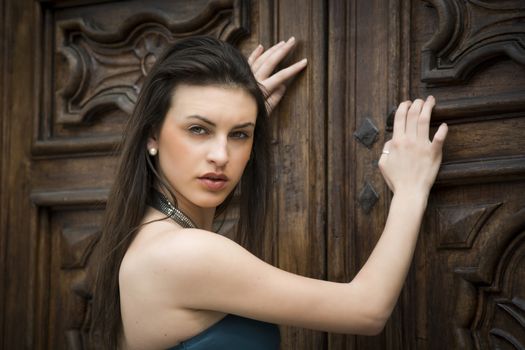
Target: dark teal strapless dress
235,333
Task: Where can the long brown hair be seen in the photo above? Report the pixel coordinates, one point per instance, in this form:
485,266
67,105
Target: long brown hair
197,61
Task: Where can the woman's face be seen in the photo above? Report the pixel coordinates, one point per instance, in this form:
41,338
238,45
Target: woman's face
205,142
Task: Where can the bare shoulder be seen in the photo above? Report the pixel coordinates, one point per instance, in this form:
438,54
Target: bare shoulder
186,256
165,245
173,254
207,271
153,287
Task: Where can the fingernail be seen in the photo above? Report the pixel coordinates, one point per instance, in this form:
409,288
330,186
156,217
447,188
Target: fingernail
291,40
304,61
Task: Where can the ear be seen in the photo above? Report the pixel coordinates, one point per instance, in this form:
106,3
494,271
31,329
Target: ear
152,143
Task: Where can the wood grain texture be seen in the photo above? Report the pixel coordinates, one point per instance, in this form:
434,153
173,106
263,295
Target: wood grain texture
21,243
300,159
4,144
341,90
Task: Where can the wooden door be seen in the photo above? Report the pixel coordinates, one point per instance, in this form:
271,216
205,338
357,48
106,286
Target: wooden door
466,288
69,75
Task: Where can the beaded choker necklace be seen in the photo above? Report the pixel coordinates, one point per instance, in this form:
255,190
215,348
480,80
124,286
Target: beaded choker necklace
162,204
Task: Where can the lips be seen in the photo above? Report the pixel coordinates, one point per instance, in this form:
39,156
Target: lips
213,181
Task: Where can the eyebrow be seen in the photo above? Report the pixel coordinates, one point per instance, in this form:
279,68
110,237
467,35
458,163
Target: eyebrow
207,121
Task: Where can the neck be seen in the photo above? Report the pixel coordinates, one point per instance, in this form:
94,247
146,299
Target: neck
201,217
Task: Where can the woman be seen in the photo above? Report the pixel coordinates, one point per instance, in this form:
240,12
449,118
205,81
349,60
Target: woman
199,130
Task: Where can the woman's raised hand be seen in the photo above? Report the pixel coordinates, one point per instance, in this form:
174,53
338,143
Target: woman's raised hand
263,64
410,161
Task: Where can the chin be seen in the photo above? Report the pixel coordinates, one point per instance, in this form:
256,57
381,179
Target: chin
211,201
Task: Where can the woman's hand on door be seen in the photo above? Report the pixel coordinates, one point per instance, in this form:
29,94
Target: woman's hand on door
263,64
410,161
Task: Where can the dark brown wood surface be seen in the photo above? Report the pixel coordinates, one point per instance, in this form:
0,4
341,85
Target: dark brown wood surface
70,72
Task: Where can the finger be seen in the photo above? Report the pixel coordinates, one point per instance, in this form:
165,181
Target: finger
271,62
259,61
423,123
283,75
255,54
275,97
400,119
382,164
385,152
440,136
386,146
412,117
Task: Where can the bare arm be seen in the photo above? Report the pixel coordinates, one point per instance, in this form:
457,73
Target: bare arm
208,271
409,169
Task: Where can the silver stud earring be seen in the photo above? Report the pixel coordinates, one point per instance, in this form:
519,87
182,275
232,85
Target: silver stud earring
152,151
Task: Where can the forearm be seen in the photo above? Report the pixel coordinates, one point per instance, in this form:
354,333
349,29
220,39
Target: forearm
384,273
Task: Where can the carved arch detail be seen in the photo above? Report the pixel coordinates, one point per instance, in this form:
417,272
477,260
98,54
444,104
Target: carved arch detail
105,70
66,258
492,294
470,33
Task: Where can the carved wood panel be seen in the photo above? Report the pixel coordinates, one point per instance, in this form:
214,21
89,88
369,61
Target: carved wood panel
65,254
468,280
469,34
69,83
466,289
96,65
470,269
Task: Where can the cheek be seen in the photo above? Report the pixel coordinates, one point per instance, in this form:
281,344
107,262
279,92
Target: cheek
244,155
175,154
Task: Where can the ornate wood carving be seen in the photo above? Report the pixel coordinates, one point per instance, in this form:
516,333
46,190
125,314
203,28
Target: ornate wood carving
102,78
514,308
99,72
492,292
77,245
460,224
470,33
67,241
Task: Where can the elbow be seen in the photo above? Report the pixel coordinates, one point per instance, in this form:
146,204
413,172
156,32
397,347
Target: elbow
374,321
372,312
374,326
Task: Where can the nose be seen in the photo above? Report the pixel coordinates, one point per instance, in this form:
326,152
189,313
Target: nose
218,153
